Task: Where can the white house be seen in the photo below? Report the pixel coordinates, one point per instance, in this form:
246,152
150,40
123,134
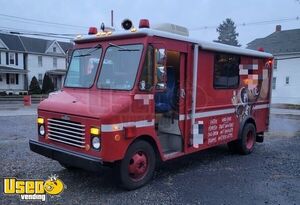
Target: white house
285,46
45,56
22,58
12,68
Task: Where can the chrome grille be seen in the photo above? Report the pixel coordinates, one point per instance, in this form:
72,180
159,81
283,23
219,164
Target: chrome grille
67,132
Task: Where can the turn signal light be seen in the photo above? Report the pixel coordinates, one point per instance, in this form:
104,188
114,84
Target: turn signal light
95,131
40,120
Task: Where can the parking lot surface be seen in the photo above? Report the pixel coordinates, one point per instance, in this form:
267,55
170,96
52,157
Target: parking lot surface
270,175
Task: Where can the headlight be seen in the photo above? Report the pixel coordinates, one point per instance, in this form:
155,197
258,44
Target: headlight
96,144
42,130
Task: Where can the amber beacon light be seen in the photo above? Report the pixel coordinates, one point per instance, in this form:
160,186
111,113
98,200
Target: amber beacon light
92,30
144,23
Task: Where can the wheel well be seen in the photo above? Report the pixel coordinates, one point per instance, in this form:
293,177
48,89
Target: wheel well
246,121
152,142
250,120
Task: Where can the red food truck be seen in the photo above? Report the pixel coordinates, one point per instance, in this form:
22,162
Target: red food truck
134,98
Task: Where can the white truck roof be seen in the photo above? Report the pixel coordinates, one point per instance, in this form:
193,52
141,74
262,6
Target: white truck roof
205,45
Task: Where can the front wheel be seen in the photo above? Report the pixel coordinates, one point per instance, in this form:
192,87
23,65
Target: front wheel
138,166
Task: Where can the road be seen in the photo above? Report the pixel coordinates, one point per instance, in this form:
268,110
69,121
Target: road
270,175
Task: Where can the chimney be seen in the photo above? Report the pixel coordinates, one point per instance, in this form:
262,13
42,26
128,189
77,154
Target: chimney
278,28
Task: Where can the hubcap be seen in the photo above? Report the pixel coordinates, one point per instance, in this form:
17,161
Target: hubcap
138,166
250,140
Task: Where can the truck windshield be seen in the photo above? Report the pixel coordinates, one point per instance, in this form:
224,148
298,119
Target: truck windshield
83,67
120,66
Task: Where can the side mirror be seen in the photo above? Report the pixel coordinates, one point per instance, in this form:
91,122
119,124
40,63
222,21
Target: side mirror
142,85
160,69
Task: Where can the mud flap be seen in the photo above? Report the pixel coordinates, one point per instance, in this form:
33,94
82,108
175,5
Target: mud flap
260,138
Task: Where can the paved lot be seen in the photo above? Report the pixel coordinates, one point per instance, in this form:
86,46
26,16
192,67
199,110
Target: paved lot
270,175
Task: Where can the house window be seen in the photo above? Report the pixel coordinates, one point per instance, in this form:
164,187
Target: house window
40,78
54,62
40,61
274,83
275,64
54,49
11,58
12,79
287,80
1,78
226,71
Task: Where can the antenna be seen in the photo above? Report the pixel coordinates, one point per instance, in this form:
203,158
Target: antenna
112,18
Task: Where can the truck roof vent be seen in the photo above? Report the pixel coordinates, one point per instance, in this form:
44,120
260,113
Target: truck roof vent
172,28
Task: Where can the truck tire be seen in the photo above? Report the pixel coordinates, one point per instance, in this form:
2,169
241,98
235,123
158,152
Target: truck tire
247,141
138,165
245,144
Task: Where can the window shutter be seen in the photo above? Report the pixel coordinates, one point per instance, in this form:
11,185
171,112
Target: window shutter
7,78
7,59
17,78
16,58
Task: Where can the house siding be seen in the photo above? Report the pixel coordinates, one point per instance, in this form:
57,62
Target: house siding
47,64
20,60
27,50
12,87
287,66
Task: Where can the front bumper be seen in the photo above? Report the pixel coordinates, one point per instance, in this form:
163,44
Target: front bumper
65,156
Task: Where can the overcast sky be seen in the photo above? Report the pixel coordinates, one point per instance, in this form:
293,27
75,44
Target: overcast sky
193,14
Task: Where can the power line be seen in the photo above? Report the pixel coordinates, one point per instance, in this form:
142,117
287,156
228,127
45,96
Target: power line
250,23
286,58
41,24
24,20
35,33
15,30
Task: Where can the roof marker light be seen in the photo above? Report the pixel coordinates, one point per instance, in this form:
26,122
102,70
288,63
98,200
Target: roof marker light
78,36
144,23
270,61
261,49
93,30
133,30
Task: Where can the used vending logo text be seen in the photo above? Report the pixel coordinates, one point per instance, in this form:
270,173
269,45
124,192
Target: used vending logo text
33,189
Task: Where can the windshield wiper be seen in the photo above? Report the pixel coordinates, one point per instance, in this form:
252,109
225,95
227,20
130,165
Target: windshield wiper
123,49
97,47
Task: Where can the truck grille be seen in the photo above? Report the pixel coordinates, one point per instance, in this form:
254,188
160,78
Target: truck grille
68,132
